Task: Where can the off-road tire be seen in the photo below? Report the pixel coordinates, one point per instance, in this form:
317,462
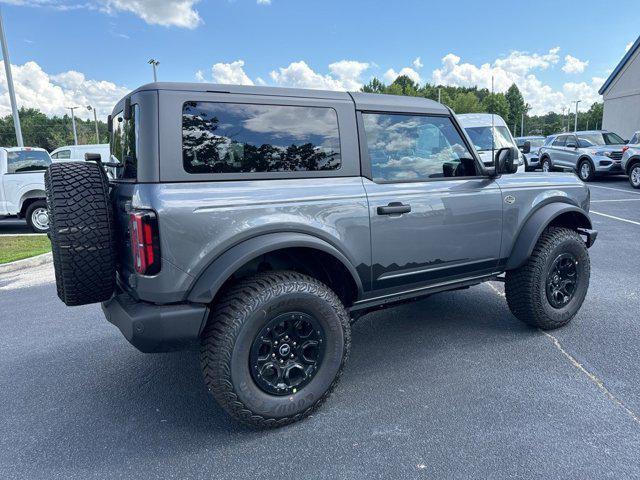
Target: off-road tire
591,175
81,230
29,216
525,287
241,312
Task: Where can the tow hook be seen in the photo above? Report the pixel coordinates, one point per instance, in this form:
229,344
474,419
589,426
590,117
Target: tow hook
591,235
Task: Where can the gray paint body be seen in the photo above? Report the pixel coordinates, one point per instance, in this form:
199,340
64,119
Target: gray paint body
460,230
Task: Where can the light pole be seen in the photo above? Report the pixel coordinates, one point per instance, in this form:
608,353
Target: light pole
575,125
154,63
95,119
12,93
73,122
562,119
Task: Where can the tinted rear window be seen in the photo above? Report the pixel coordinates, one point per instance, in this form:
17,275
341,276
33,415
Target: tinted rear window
247,138
27,161
124,143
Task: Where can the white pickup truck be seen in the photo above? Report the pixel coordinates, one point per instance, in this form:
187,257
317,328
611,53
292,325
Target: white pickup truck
22,192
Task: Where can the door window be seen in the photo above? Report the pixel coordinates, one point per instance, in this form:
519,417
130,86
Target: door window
560,141
415,148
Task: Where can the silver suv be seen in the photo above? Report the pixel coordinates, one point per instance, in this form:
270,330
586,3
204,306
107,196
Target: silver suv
260,222
631,160
588,153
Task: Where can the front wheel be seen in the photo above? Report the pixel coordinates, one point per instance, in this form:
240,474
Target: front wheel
274,348
634,176
546,165
549,289
585,171
38,217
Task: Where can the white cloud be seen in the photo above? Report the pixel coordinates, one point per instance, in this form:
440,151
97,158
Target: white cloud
518,68
264,2
345,75
231,73
417,63
51,94
168,13
390,75
574,65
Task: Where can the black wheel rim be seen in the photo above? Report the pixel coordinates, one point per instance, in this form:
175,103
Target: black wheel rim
287,353
562,280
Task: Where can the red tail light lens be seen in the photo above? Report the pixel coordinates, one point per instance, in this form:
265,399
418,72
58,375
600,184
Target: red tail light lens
145,244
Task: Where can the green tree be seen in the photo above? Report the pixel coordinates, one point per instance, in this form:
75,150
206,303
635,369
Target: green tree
466,102
516,107
496,103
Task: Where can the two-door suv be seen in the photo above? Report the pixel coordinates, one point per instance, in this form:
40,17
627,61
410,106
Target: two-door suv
259,222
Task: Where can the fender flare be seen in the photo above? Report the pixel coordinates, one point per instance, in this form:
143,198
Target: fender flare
632,161
535,225
220,270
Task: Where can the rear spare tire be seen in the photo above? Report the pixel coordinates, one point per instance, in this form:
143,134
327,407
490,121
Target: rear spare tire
81,232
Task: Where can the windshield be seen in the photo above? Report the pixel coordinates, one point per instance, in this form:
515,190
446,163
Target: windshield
27,161
481,137
604,138
536,142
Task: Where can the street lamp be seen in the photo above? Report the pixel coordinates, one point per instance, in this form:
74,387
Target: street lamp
575,125
12,93
154,63
95,119
73,122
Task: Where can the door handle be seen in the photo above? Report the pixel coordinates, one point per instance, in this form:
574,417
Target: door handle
394,208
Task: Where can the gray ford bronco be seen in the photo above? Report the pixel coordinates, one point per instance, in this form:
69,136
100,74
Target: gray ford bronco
260,222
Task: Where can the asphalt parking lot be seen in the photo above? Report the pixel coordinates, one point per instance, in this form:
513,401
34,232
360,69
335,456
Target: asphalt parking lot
452,386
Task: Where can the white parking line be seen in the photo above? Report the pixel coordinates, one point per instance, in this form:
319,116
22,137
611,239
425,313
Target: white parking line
616,218
616,189
617,200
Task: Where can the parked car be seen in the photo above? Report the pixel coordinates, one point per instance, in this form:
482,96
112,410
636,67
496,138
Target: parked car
529,146
22,192
631,163
71,153
77,152
478,127
259,221
588,153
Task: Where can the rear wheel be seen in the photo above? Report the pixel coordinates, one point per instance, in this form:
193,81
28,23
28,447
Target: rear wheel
548,290
81,232
37,216
585,170
634,175
275,347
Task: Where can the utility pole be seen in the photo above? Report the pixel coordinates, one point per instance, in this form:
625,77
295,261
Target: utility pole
562,119
154,63
12,93
439,95
575,125
95,119
73,122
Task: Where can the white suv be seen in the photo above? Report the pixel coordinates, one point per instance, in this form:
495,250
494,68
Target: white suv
22,192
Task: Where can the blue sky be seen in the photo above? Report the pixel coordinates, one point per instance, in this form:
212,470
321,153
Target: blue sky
95,50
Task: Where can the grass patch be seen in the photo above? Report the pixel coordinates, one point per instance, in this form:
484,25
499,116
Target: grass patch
22,246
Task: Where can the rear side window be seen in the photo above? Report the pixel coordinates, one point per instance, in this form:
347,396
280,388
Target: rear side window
415,147
560,141
27,161
63,154
247,138
124,143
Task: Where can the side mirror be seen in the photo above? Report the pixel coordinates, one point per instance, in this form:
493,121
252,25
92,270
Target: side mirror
526,148
92,157
505,160
571,145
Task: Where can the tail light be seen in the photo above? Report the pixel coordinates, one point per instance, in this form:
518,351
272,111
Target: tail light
145,242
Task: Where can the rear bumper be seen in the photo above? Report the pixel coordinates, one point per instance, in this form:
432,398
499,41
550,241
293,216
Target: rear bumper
155,328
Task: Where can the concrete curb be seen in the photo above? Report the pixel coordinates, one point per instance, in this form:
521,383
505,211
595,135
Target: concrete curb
26,263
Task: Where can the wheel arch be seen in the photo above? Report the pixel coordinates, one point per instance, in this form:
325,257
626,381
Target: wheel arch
550,215
286,250
631,162
28,198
